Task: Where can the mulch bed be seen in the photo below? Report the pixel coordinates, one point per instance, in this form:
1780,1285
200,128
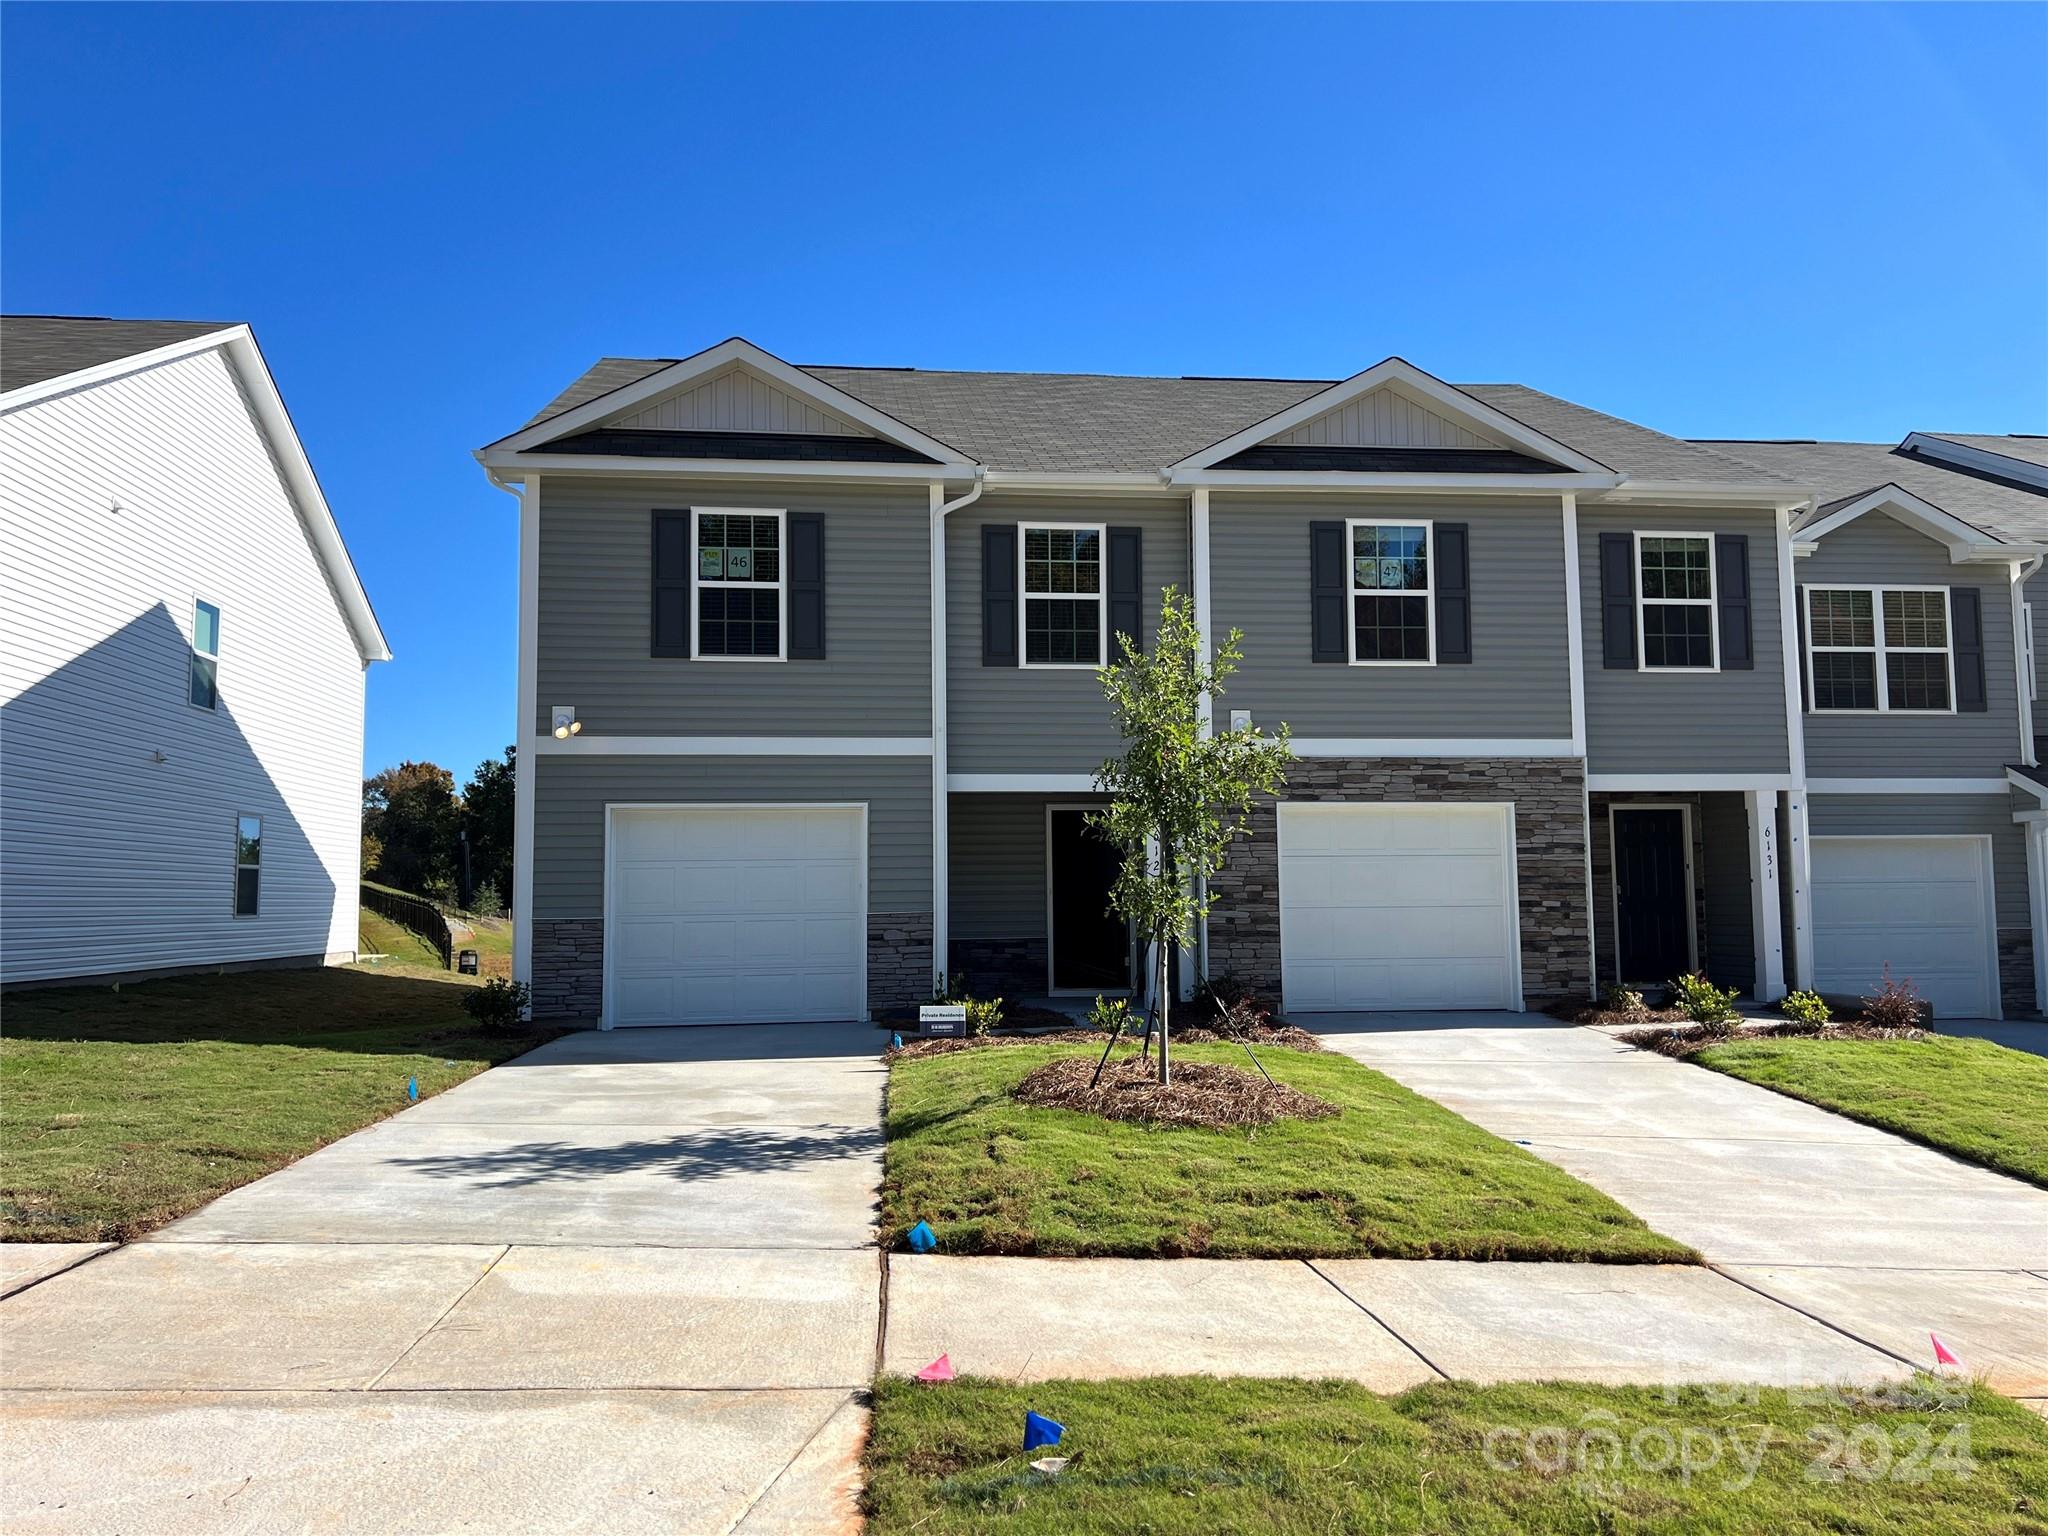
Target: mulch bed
1290,1036
1694,1038
1200,1094
945,1046
1286,1036
1600,1013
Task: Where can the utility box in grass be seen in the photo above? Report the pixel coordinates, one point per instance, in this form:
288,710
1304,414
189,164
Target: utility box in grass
942,1021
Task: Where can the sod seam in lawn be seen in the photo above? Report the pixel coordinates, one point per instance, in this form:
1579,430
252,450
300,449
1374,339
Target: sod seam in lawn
123,1109
1394,1175
1306,1458
1970,1098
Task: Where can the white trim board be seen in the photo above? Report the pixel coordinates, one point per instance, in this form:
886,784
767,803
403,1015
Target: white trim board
614,466
1021,783
1681,783
587,745
1969,456
1907,786
1434,746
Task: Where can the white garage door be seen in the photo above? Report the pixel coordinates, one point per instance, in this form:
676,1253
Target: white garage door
736,915
1921,904
1397,906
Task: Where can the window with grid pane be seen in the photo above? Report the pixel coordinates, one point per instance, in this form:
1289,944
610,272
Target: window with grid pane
1390,592
1063,596
1878,648
1675,580
739,584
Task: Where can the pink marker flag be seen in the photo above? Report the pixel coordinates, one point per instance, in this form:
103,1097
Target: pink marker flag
1942,1354
939,1370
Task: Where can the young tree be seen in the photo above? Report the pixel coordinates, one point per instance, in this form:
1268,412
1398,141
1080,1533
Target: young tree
1179,795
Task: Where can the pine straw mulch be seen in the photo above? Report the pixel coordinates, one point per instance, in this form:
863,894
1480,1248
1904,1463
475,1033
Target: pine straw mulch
1600,1013
1201,1094
1287,1036
1694,1038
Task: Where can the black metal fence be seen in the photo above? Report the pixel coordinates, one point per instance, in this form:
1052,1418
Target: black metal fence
416,914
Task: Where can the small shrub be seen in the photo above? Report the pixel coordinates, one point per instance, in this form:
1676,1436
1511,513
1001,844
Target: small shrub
498,1005
1896,1005
485,901
1110,1014
1627,1003
984,1016
1805,1008
1709,1006
1237,1010
949,988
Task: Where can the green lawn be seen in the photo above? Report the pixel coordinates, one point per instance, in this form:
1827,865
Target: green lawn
1970,1098
121,1109
1172,1454
1394,1174
378,935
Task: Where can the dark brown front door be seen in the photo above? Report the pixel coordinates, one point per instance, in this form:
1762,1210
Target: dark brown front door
1653,897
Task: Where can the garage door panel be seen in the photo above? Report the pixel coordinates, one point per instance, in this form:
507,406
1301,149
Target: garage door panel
1396,906
1918,905
736,915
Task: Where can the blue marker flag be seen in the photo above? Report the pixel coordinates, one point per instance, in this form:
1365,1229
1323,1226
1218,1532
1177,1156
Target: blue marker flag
412,1090
922,1238
896,1042
1039,1430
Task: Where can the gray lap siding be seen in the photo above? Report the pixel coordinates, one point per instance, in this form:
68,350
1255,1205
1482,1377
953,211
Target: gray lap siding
1518,683
572,791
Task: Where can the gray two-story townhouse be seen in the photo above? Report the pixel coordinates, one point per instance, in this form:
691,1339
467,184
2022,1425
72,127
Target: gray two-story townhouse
1917,584
809,709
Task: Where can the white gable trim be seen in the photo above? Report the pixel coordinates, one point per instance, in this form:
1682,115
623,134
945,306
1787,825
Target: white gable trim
715,360
1962,541
1968,456
1448,398
243,355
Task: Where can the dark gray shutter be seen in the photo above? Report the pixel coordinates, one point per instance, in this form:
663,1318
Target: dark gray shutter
1617,600
1327,569
1452,579
1731,595
1966,612
1126,591
1805,683
671,604
999,595
806,586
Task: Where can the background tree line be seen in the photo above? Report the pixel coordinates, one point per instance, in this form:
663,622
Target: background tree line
414,824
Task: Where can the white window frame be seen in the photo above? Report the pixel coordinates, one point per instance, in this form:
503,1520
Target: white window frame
235,886
1024,596
213,655
1884,691
1711,602
1353,592
781,516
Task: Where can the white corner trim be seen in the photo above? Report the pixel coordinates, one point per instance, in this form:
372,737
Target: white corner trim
1574,623
1021,783
526,785
1434,746
1907,786
1678,783
1398,371
736,349
590,745
1789,652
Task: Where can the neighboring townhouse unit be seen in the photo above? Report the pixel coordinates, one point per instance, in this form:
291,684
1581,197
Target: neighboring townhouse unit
808,710
181,704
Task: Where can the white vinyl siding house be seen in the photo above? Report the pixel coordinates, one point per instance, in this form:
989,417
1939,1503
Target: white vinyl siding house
185,666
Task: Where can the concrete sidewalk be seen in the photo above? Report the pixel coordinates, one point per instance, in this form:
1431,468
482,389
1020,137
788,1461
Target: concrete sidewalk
625,1283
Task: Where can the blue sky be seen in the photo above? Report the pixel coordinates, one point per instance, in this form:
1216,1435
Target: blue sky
1724,221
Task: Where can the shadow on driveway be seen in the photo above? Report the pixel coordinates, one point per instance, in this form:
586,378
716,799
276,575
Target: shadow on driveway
698,1153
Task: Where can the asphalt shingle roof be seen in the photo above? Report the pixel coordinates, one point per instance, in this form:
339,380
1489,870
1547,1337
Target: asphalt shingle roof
1119,423
2030,448
38,347
1845,471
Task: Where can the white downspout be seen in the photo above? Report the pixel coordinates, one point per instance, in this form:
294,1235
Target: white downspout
942,895
1195,968
2022,572
1798,862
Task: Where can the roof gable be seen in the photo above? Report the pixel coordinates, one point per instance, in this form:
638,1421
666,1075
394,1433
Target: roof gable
737,400
1963,540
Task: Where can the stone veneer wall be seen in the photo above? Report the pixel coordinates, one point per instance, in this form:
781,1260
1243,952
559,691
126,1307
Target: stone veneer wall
2016,972
1550,854
568,964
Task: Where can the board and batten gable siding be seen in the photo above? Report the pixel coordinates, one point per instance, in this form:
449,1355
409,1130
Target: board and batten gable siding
1031,719
1937,816
120,505
1878,550
1732,721
596,619
1518,683
573,789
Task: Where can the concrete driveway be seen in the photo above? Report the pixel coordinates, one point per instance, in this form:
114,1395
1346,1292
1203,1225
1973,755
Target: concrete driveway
625,1283
1880,1238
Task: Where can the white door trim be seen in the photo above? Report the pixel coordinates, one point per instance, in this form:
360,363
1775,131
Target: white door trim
1988,857
1692,935
613,807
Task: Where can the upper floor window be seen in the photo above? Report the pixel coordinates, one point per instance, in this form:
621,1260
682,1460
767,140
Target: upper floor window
202,685
1879,649
739,585
1675,618
248,864
1393,604
1061,579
